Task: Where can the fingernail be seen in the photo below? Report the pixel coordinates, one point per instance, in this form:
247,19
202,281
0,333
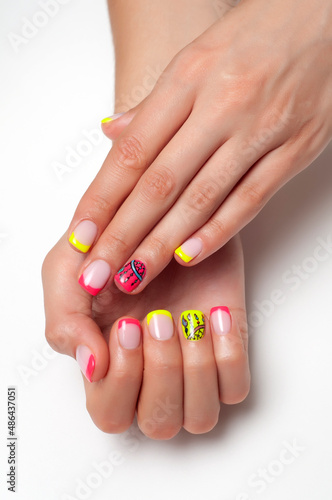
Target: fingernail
131,275
95,276
112,118
193,325
160,324
221,320
83,235
86,361
129,331
189,249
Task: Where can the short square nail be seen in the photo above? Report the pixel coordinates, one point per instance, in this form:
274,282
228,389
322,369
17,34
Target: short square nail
193,324
189,249
129,331
160,324
131,275
220,318
95,276
86,361
112,118
84,235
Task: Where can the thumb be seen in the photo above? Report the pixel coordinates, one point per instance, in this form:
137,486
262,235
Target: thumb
70,328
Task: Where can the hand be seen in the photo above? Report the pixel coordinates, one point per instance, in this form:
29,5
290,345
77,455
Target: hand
236,114
181,381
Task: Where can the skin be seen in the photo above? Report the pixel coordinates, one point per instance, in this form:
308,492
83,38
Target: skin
193,376
235,115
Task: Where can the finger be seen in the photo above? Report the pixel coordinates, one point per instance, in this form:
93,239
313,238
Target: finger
198,202
112,401
153,125
231,356
246,200
201,397
154,194
70,328
160,407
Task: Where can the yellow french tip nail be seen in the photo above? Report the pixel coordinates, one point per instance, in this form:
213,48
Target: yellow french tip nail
193,324
107,120
78,245
182,255
158,311
111,118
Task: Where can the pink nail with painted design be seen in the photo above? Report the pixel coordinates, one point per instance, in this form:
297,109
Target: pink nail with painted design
131,275
220,318
129,330
95,276
86,361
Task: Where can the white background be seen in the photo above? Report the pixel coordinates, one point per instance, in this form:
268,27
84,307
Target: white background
53,88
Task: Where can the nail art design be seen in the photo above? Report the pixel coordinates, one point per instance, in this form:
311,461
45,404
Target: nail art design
131,275
86,361
83,235
220,318
189,249
129,330
111,118
193,325
95,276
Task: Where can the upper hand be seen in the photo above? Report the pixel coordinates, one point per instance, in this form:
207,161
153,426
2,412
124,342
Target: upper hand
236,114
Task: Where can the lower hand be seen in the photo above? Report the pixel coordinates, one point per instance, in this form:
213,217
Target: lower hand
180,382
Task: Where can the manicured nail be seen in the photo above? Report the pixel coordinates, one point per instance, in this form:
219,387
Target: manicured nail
160,324
189,249
131,275
193,325
221,320
95,276
83,235
86,361
112,118
129,333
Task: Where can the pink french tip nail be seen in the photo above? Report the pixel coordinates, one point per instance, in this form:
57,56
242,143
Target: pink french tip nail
131,275
95,276
86,361
221,320
129,331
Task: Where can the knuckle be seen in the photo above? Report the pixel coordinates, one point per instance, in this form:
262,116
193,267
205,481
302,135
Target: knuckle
201,424
158,249
193,367
202,198
252,195
58,337
158,184
161,431
130,153
188,65
238,396
214,229
115,243
159,367
104,418
105,423
235,358
100,203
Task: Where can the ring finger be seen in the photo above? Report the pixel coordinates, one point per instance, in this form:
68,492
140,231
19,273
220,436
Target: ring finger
201,397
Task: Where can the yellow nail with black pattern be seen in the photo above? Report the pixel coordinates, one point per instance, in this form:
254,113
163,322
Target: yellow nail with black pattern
193,324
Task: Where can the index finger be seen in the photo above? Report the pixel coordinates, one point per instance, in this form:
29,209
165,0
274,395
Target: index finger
156,121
